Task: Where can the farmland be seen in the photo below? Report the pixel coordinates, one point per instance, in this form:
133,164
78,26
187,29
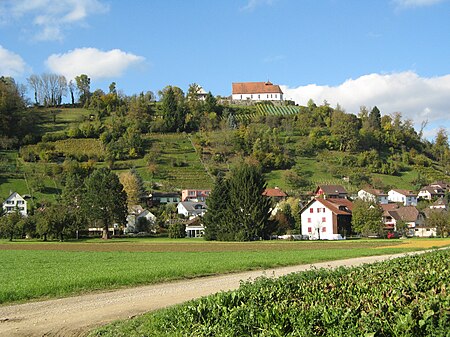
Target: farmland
403,297
64,269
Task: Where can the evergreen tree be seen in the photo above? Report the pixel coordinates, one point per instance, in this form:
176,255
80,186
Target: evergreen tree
217,202
375,119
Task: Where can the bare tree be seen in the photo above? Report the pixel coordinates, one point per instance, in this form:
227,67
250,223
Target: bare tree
48,88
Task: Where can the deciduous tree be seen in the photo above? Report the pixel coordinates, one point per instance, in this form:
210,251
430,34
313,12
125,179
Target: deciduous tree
104,201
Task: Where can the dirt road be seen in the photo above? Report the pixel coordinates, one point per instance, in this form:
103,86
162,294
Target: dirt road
75,316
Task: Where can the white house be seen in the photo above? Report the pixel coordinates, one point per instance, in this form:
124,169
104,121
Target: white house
431,192
327,219
407,198
191,209
373,195
256,91
136,213
15,202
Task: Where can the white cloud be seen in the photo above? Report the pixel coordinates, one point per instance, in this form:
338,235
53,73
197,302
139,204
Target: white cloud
417,98
52,17
11,64
416,3
97,64
252,4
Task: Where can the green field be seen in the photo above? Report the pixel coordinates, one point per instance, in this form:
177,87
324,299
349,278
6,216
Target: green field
407,296
32,270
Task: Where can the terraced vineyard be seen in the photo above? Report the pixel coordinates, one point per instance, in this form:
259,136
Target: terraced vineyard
266,110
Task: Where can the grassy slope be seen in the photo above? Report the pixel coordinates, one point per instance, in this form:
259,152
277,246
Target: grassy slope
35,270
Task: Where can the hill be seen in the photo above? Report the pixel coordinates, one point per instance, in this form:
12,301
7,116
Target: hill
298,147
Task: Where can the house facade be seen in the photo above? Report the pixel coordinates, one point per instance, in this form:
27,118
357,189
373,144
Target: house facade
195,195
327,219
431,192
191,209
133,218
410,215
406,197
15,202
256,91
157,198
373,195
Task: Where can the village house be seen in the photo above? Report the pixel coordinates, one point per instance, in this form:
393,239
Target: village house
410,215
327,219
256,91
157,198
373,195
195,228
331,191
276,194
195,195
191,209
431,192
136,213
406,197
15,202
440,206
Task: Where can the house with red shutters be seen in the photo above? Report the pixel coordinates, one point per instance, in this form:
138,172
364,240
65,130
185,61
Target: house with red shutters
327,219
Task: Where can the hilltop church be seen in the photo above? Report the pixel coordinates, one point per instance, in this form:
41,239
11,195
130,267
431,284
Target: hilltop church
256,91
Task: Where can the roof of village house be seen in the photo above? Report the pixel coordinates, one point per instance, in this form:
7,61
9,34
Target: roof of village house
442,184
332,189
274,192
256,88
337,206
405,213
440,202
387,208
405,192
194,206
433,190
375,192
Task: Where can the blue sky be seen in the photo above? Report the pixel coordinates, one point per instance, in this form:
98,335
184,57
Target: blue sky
391,53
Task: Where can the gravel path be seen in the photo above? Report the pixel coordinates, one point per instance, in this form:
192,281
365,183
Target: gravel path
75,316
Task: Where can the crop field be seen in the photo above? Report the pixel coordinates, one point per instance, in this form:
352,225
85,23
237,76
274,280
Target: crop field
403,297
32,270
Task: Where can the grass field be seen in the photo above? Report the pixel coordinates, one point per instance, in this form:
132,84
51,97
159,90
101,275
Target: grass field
33,270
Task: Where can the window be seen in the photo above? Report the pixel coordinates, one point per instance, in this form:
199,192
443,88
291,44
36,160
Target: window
323,209
309,230
324,219
251,96
324,229
318,210
191,192
311,210
20,202
267,96
309,220
259,96
241,96
275,96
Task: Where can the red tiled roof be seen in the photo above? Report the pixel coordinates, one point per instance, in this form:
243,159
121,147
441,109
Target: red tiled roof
337,206
274,192
255,88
